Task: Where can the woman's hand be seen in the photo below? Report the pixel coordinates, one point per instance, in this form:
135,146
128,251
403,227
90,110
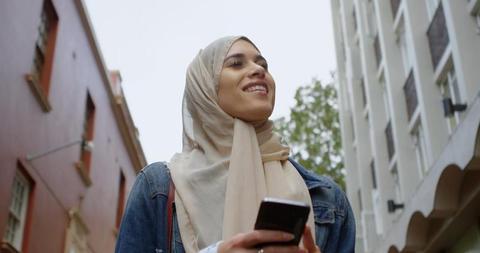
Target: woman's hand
246,242
308,241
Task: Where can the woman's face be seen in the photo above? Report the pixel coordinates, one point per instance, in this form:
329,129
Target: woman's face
246,88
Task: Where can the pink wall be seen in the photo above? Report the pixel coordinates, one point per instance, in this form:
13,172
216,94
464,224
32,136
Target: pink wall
26,129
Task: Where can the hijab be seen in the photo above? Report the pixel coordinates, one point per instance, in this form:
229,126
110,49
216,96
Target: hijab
227,166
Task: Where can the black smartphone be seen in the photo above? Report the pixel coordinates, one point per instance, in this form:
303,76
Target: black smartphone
283,215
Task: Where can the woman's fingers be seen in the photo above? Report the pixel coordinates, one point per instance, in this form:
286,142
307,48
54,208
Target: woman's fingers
308,241
283,249
256,237
247,242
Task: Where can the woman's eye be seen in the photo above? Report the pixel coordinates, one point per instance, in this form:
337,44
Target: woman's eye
236,63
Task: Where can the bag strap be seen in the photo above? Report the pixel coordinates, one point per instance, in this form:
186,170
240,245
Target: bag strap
170,205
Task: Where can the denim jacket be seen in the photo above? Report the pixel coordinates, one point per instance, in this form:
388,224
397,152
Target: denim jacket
144,223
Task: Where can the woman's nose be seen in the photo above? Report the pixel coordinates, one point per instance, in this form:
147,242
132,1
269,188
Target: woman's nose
257,71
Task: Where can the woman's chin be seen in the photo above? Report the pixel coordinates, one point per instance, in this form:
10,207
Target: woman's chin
259,115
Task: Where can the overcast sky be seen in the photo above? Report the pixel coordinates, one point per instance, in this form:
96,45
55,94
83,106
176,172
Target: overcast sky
151,42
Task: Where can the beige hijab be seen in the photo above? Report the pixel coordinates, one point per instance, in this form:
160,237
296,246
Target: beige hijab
227,166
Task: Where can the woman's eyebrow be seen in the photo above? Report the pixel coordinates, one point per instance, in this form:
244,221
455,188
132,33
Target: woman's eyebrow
239,55
260,57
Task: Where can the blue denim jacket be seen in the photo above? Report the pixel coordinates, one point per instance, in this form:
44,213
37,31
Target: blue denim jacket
144,224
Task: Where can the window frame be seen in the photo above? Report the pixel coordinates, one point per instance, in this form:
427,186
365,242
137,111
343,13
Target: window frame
373,173
76,233
85,159
402,44
397,186
420,146
449,87
121,199
39,76
386,100
25,221
371,18
432,6
438,37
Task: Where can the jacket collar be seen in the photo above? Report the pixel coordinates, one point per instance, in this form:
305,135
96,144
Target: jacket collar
311,179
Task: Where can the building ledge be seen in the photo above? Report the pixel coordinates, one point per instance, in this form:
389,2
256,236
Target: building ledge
82,171
6,247
38,92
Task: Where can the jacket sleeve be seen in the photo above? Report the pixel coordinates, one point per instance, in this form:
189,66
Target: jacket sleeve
347,234
139,224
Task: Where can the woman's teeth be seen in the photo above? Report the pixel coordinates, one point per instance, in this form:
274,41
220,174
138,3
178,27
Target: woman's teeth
256,88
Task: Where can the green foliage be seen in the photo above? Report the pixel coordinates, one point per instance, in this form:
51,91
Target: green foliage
313,130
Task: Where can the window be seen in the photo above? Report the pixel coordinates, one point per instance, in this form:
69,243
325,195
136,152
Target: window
377,50
396,182
477,19
474,8
77,231
410,93
353,128
374,176
364,95
354,16
371,18
395,4
386,102
449,88
403,46
17,214
438,38
83,165
420,149
390,142
88,130
121,199
39,77
377,211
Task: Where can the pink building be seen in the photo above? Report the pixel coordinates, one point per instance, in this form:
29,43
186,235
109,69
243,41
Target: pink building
69,150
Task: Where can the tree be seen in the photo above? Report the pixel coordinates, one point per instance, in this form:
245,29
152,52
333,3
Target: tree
313,130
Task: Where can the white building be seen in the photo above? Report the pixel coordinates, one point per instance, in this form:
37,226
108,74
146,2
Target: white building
408,76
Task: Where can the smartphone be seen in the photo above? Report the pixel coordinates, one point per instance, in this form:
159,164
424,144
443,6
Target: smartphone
283,215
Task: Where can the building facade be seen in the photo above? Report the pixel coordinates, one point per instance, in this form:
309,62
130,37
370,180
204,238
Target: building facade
69,151
408,78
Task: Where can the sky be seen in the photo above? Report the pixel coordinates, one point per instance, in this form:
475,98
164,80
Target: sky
151,43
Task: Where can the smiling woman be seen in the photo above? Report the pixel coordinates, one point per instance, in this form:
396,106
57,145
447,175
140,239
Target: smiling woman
231,160
247,89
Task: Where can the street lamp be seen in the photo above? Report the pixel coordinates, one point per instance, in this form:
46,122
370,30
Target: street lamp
86,145
392,206
449,108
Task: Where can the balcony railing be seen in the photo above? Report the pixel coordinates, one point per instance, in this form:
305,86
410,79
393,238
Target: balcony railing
378,50
438,36
390,144
410,93
395,6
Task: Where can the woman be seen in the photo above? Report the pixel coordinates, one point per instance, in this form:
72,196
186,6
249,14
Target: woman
230,161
